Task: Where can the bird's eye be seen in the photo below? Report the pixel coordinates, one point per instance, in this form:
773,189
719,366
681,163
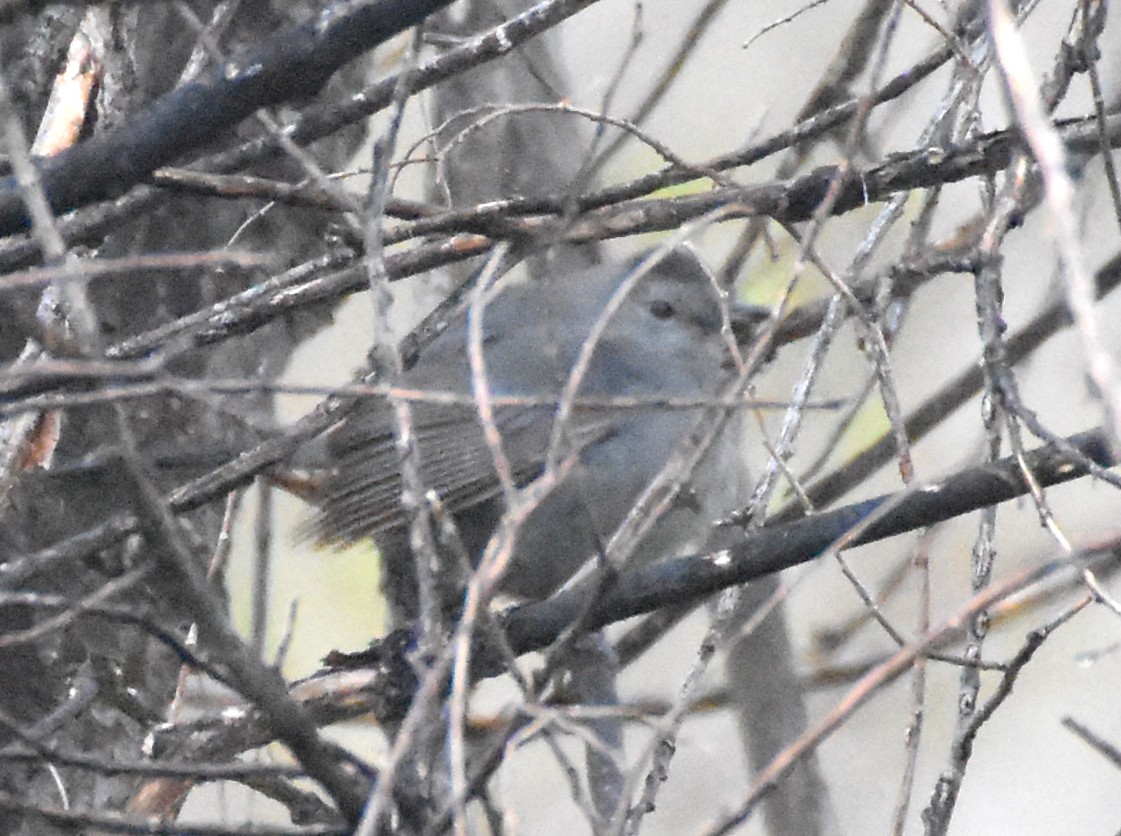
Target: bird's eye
661,309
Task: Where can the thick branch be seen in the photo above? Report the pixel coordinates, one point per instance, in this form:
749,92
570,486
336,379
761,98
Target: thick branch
775,548
293,65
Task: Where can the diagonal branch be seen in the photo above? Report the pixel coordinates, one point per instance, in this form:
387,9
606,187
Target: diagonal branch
295,64
778,547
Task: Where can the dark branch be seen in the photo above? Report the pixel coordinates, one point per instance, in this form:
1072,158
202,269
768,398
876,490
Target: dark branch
293,65
775,548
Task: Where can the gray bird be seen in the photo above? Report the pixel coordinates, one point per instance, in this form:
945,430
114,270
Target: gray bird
664,341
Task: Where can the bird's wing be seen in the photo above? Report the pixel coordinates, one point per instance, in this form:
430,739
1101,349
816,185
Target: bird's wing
363,493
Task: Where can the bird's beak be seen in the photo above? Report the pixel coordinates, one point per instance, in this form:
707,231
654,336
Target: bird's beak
747,319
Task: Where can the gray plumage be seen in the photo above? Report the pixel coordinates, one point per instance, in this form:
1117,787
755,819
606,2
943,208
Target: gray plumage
664,341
